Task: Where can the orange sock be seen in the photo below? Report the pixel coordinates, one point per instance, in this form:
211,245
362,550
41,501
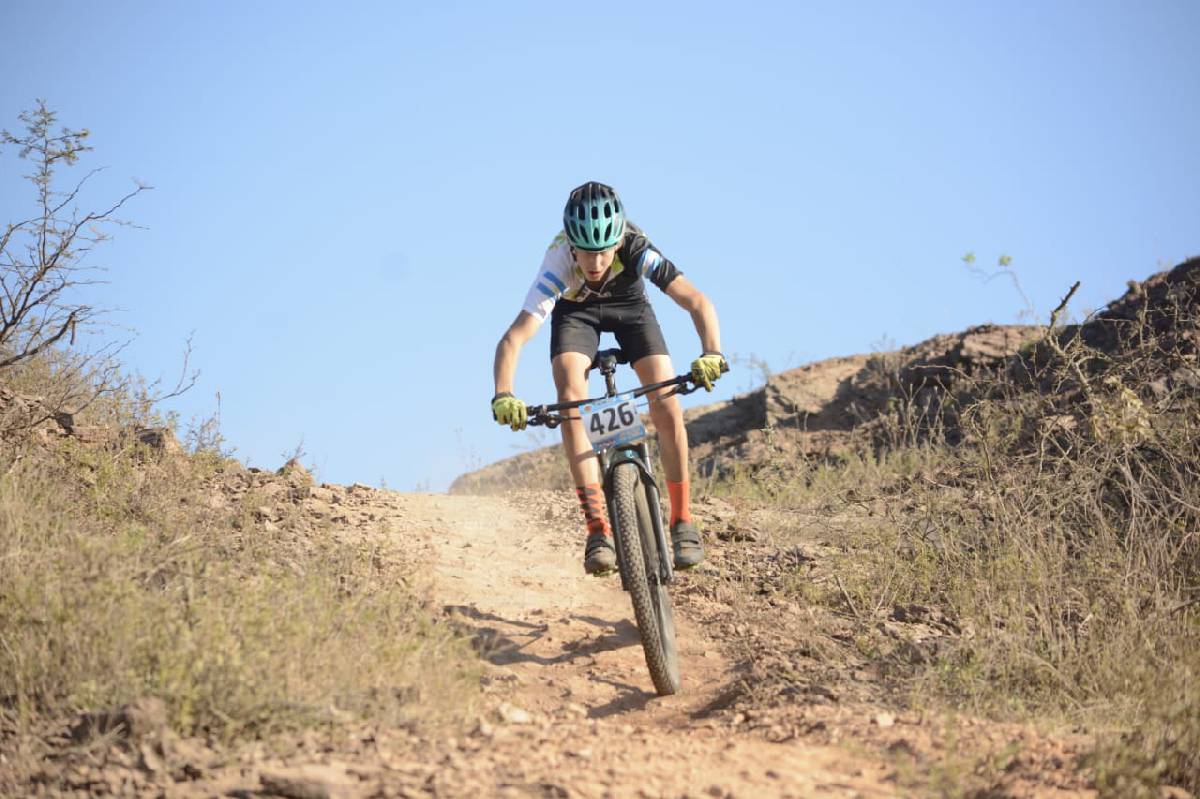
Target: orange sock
679,501
591,499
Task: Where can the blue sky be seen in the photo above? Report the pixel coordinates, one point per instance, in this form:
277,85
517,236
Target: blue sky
351,200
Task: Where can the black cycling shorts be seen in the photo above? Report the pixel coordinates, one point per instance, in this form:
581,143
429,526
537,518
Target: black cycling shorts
576,327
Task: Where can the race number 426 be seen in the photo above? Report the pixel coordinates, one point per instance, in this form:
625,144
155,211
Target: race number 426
611,420
614,421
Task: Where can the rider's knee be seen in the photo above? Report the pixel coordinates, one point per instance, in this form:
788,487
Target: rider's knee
571,391
570,379
666,413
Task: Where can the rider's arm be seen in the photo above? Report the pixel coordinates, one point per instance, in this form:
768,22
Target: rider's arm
548,285
518,333
704,315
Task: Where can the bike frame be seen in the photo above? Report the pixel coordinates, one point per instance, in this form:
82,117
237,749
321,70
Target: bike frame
637,453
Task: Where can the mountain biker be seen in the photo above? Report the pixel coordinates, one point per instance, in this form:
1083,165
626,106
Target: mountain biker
591,281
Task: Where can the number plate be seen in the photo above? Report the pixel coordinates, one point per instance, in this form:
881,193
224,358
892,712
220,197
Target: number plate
611,422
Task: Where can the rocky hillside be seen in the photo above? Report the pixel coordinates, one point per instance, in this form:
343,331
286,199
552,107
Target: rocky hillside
827,409
916,625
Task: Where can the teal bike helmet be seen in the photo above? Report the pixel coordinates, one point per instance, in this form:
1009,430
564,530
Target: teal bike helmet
594,218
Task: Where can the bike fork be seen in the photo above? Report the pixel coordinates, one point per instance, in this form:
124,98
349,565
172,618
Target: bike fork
666,571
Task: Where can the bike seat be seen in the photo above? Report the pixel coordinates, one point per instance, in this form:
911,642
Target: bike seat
606,360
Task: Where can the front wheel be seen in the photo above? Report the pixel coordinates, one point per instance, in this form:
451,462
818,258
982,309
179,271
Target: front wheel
634,529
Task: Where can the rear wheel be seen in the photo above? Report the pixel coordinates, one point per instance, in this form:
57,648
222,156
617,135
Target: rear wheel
651,600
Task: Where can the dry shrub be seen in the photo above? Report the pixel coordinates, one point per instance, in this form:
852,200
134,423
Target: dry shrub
1061,530
118,582
1163,747
1066,532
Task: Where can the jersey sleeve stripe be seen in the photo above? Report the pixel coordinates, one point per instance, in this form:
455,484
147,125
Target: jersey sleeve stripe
649,260
542,287
558,283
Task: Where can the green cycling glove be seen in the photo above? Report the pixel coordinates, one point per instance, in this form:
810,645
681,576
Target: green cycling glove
708,368
507,409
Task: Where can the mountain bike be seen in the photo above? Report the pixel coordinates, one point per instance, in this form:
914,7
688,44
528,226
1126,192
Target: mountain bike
644,557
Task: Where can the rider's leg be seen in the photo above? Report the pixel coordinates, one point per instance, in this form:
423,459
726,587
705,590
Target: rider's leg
570,378
667,416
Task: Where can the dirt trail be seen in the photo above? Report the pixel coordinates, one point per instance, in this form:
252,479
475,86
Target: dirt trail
576,714
568,706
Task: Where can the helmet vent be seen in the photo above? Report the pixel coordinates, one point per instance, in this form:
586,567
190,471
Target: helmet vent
608,231
595,212
607,213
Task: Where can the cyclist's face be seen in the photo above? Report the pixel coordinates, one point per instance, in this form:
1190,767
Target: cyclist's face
594,264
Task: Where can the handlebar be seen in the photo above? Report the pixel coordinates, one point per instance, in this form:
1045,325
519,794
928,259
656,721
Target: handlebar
549,416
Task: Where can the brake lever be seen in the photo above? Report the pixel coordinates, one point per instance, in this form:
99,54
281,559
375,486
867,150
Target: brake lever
539,418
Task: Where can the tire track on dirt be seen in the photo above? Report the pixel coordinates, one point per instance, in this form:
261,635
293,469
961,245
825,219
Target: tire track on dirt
575,712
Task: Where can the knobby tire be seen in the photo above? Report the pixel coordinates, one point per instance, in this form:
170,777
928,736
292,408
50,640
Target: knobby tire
651,600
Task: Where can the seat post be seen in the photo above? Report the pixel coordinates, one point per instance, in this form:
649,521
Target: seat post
606,361
610,381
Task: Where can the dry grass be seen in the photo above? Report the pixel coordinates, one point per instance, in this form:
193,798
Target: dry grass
119,581
1060,534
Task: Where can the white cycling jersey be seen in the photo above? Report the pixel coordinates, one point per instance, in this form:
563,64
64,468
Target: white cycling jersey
559,278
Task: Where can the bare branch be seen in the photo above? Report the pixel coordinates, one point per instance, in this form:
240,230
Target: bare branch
1063,305
43,344
71,195
35,312
186,381
846,596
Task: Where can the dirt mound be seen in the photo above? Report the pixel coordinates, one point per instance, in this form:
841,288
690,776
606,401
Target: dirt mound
1167,303
811,411
541,468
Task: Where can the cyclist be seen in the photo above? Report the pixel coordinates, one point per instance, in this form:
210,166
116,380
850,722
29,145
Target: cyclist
591,281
